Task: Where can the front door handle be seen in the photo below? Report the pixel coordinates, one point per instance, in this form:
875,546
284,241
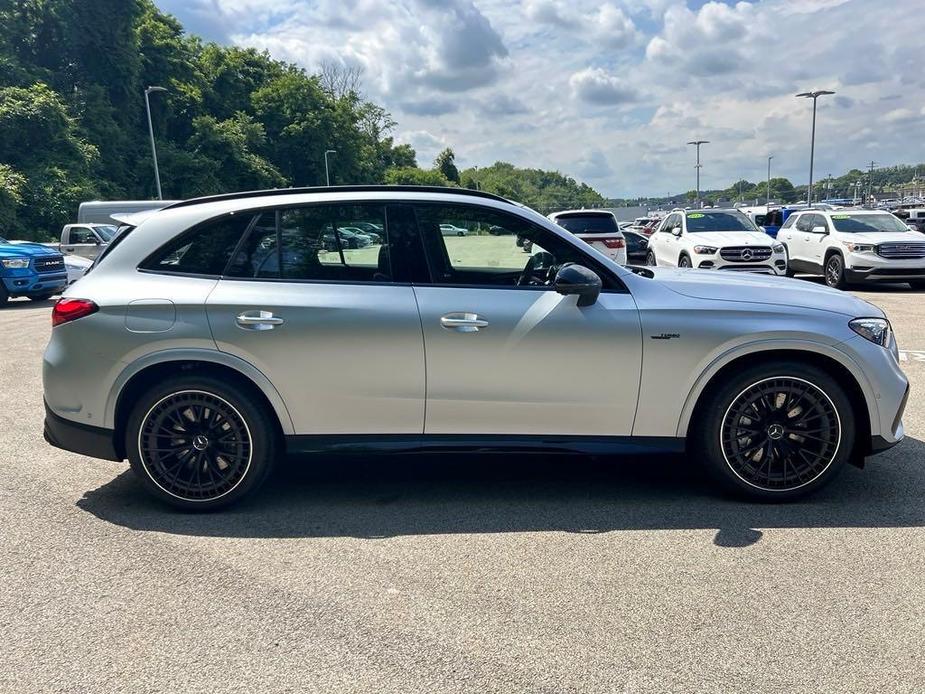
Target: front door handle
258,320
463,322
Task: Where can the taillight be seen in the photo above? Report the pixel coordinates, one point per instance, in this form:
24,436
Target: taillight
614,243
67,310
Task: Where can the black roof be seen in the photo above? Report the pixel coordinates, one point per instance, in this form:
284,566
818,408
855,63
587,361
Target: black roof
337,189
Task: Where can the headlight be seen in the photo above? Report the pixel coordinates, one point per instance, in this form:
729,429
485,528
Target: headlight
777,248
877,330
704,250
858,247
15,263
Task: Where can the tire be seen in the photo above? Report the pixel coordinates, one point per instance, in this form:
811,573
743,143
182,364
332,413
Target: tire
684,261
460,233
834,272
247,454
789,398
41,297
789,271
650,259
4,297
917,284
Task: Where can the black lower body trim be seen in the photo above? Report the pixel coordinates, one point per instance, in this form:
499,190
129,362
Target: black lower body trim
878,444
484,443
95,442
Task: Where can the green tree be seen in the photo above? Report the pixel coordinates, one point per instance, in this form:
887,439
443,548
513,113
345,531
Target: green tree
445,163
413,176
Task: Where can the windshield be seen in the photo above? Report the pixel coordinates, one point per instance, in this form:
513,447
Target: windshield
105,231
867,223
718,221
589,223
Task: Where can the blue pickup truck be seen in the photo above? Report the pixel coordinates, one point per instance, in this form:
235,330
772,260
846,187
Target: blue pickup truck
31,270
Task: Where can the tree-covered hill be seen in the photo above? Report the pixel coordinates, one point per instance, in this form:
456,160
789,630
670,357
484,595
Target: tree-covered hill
73,124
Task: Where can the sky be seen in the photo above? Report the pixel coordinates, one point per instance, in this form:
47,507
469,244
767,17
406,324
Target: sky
610,92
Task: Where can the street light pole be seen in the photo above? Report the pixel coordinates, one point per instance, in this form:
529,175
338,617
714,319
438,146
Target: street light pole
327,175
812,142
697,144
157,173
768,191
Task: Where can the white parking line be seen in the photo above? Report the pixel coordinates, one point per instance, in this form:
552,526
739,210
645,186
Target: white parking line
911,355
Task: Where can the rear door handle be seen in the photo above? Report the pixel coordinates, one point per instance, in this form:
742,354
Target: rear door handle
258,320
463,322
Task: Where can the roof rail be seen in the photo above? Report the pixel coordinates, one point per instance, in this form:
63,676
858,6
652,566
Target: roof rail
337,189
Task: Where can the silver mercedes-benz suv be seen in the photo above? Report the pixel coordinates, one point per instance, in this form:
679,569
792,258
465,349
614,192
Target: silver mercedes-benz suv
222,332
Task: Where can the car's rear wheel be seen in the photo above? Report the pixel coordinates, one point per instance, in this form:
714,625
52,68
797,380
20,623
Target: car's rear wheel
775,431
199,444
835,272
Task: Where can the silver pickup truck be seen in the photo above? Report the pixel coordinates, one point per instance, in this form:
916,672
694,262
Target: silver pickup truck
86,240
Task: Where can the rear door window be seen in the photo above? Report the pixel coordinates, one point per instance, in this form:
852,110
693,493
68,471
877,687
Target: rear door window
336,243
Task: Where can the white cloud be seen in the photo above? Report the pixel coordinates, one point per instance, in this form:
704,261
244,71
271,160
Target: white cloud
610,91
597,86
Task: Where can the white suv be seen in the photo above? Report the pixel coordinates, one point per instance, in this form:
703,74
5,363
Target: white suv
854,245
597,228
715,239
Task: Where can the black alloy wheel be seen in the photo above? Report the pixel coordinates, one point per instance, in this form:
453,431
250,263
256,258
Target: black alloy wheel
195,445
780,433
684,261
200,443
650,259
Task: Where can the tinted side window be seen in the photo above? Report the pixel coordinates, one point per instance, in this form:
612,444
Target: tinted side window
203,250
804,223
346,243
791,220
498,249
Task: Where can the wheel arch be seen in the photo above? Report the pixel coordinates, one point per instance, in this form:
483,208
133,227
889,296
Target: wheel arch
835,363
134,380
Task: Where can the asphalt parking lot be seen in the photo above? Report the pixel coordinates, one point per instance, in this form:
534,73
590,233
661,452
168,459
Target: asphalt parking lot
497,573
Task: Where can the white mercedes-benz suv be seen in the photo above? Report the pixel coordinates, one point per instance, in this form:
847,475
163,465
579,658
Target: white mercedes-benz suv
846,246
713,239
222,332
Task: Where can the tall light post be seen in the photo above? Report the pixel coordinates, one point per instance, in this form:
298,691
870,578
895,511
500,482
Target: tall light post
767,202
157,173
697,144
812,142
327,175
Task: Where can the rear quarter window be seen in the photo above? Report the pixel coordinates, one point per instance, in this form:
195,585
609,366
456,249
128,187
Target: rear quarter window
203,250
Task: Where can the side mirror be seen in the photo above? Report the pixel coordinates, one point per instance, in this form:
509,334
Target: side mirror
676,231
820,230
912,227
762,230
577,279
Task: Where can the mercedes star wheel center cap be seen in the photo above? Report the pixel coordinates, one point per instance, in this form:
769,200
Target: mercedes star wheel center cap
200,442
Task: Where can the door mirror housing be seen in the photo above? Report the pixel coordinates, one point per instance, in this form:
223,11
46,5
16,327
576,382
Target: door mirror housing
577,279
676,231
820,230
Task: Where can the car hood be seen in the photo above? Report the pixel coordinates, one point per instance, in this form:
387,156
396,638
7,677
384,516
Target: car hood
25,249
886,237
717,285
730,238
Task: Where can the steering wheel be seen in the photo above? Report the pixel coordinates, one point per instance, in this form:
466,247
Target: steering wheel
539,270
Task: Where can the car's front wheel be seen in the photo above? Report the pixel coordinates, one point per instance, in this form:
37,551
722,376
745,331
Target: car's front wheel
650,259
199,443
684,261
835,272
775,431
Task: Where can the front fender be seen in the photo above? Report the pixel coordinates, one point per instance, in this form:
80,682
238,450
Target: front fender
775,345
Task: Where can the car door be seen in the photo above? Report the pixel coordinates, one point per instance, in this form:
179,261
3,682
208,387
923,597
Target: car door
816,241
507,355
662,241
335,329
798,245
